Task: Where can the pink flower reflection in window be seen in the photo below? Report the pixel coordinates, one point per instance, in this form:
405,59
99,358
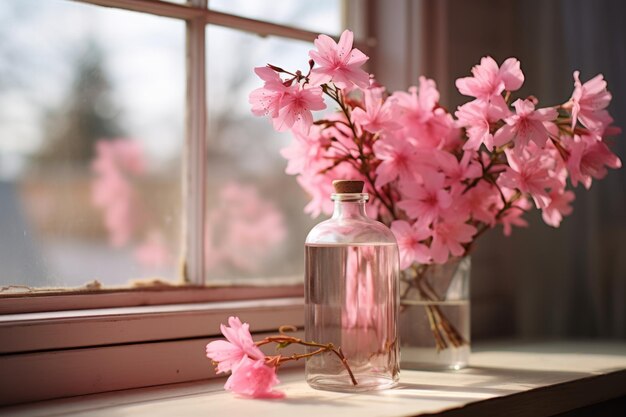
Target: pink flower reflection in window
118,167
242,230
117,163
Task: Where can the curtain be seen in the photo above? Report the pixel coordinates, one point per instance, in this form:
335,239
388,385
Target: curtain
595,42
571,281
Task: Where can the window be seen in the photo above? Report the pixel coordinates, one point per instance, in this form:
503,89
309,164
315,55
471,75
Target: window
92,128
97,186
255,225
322,16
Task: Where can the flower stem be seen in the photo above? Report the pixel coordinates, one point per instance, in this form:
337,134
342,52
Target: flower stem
443,330
284,340
336,96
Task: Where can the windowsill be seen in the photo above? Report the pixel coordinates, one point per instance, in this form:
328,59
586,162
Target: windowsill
32,332
100,350
530,379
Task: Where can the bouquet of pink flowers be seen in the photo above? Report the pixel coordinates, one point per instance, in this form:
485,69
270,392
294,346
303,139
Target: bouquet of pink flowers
438,179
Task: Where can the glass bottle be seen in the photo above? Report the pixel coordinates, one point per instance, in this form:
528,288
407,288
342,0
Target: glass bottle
352,296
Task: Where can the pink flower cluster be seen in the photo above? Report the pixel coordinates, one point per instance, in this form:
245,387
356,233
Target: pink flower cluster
438,179
251,375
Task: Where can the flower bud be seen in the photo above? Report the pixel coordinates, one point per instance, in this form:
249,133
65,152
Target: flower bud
275,68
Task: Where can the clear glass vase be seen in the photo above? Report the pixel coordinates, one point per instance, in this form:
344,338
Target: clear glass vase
435,315
352,298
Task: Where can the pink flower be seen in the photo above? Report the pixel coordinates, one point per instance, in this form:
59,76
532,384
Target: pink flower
306,153
239,346
265,101
529,175
513,216
425,202
527,124
588,159
559,206
589,101
418,104
399,159
409,242
448,237
377,115
416,111
482,201
477,117
489,81
439,132
457,171
295,108
338,62
254,379
319,187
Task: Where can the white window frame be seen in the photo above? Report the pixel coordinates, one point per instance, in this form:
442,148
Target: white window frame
83,342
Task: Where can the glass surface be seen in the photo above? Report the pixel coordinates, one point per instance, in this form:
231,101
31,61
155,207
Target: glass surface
439,299
255,220
91,130
322,16
351,300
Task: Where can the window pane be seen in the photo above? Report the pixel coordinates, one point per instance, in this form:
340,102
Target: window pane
322,16
91,131
256,225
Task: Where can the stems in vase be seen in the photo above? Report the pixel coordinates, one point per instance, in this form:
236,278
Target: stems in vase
444,332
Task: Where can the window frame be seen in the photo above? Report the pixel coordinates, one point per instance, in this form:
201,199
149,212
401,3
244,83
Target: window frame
194,286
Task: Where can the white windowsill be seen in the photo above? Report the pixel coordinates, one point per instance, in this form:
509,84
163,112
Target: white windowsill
538,379
99,350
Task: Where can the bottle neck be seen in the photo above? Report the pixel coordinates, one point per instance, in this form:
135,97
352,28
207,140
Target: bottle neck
349,208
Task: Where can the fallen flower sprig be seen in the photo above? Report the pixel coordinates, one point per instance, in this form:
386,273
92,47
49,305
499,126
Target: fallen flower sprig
253,374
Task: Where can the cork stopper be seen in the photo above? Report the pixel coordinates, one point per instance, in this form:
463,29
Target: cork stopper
348,186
